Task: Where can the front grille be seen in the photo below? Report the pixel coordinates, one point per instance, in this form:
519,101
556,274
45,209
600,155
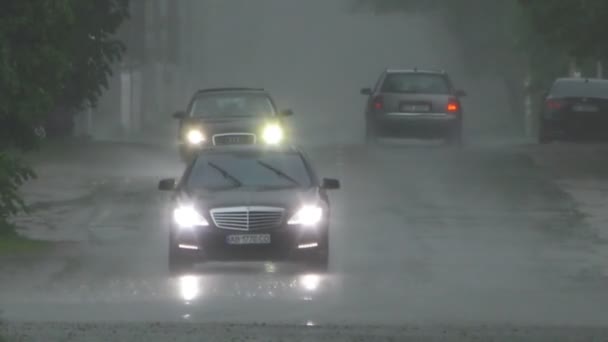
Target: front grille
234,139
247,218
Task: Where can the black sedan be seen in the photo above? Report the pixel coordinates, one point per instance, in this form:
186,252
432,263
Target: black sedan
230,116
249,203
575,108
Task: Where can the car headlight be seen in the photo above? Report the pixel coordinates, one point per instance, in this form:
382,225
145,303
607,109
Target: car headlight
308,215
188,217
195,137
273,134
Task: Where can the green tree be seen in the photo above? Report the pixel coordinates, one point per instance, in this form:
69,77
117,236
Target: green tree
53,54
577,27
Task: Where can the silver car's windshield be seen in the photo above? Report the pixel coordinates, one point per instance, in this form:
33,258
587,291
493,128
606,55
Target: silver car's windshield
415,83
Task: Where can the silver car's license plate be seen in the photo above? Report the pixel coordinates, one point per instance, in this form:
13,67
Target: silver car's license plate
415,108
249,239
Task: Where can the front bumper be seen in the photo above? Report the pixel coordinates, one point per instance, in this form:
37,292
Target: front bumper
287,241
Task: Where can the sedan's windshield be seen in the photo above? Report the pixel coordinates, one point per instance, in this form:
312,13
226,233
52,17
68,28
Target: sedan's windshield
232,105
416,83
250,170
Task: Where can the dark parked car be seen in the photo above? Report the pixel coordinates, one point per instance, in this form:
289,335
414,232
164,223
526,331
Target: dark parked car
575,108
228,116
416,103
249,203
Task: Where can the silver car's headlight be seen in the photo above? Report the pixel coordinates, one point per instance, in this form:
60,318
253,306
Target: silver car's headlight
308,215
186,216
273,134
195,137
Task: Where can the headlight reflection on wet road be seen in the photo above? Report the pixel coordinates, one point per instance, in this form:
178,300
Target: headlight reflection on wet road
189,287
310,282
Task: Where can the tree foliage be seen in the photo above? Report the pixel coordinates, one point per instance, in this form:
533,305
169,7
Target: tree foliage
13,173
53,54
577,27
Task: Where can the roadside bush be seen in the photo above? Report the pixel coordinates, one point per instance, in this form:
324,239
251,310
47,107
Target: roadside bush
13,173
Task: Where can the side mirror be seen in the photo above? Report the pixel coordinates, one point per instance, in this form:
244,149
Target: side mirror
330,184
461,93
180,115
167,184
286,112
366,91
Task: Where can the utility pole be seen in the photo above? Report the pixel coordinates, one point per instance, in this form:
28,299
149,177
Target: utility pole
529,117
573,67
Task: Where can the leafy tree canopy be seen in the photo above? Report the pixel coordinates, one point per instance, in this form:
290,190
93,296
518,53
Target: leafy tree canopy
53,54
577,27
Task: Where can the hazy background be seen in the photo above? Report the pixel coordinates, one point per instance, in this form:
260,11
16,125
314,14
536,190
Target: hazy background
314,56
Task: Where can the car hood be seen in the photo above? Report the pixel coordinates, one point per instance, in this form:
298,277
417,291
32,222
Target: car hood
289,199
231,125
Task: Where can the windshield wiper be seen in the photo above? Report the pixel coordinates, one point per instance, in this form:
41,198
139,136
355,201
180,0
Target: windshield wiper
279,172
226,174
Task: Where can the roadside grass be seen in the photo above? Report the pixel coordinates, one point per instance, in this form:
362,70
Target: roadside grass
11,243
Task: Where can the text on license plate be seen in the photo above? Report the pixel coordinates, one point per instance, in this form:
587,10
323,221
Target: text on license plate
585,108
249,239
408,108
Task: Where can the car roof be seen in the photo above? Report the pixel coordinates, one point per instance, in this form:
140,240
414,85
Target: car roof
415,70
580,80
231,89
579,87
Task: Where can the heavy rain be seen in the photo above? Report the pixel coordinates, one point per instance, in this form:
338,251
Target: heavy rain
319,170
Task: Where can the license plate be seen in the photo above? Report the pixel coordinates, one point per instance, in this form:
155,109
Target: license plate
415,108
249,239
585,108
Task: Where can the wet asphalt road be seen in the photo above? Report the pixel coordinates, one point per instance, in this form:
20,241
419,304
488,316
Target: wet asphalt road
420,234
